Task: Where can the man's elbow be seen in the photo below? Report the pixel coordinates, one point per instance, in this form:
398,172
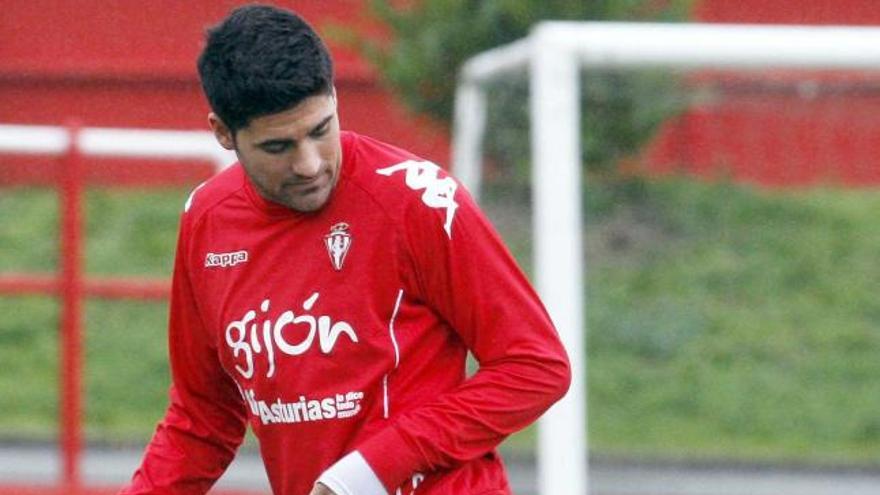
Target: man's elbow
561,373
555,375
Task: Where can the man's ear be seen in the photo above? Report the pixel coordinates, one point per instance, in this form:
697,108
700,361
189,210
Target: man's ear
221,131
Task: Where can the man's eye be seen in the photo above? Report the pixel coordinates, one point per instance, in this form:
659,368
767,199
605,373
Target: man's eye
320,131
274,148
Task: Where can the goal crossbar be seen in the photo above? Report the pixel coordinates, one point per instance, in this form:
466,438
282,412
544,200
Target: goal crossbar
553,55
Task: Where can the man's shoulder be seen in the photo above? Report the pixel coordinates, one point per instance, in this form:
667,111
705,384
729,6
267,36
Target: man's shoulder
214,191
401,182
367,148
388,172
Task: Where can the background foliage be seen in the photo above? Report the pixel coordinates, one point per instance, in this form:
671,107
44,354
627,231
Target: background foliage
431,40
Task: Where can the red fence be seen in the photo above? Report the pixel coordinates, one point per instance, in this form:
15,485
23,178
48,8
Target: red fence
71,174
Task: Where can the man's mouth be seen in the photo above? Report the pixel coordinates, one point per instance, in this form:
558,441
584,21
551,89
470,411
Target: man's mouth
304,185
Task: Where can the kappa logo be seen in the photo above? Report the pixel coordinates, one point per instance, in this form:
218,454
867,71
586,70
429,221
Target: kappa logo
439,191
338,242
224,260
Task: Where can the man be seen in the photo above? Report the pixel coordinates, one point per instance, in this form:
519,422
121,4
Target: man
327,289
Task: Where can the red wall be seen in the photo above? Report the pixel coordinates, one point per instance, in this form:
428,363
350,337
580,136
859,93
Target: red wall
849,12
762,128
132,64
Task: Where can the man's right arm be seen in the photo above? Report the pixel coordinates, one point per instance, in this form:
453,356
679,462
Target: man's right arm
206,418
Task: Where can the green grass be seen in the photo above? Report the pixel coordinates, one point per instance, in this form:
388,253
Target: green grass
127,376
129,232
728,322
28,231
29,371
723,321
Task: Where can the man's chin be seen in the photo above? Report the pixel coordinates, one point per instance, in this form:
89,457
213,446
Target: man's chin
308,204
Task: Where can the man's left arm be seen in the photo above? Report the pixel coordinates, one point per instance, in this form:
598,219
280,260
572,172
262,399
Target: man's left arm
463,270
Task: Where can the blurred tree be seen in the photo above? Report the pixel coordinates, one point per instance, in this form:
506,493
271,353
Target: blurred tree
431,39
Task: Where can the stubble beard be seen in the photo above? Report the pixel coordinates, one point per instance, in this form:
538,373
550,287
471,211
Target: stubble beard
310,202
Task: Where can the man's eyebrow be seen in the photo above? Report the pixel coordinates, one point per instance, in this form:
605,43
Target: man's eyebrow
270,142
322,123
278,141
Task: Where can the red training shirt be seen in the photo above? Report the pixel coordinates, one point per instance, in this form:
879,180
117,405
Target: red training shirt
347,329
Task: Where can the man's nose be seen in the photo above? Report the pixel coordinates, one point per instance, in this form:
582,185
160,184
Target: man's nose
307,163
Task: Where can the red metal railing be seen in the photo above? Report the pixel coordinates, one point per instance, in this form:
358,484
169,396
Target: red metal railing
71,314
70,284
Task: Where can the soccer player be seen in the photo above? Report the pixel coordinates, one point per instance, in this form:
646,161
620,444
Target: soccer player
327,289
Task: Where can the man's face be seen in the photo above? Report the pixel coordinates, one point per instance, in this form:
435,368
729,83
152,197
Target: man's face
292,157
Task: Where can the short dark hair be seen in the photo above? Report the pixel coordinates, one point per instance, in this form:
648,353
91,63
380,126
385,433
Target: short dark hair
262,60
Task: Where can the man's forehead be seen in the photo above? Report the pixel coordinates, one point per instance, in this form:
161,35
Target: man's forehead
301,119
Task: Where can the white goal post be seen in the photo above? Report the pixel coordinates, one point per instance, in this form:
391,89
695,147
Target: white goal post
554,54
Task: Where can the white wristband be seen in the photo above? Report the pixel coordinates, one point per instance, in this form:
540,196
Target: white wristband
351,475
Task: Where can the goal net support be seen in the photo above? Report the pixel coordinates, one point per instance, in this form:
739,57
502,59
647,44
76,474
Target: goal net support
553,55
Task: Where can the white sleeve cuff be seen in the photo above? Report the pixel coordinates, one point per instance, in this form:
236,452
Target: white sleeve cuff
351,475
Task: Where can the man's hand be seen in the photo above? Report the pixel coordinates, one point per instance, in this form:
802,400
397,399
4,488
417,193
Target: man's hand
321,489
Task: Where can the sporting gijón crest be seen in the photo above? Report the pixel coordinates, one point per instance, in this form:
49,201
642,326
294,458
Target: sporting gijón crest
338,242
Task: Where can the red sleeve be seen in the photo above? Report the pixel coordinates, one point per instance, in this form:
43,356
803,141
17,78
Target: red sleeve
206,418
470,279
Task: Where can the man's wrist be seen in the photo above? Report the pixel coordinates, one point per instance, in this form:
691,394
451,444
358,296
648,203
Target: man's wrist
352,475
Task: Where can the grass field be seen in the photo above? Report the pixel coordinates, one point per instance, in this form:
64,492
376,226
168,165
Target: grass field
733,323
723,322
